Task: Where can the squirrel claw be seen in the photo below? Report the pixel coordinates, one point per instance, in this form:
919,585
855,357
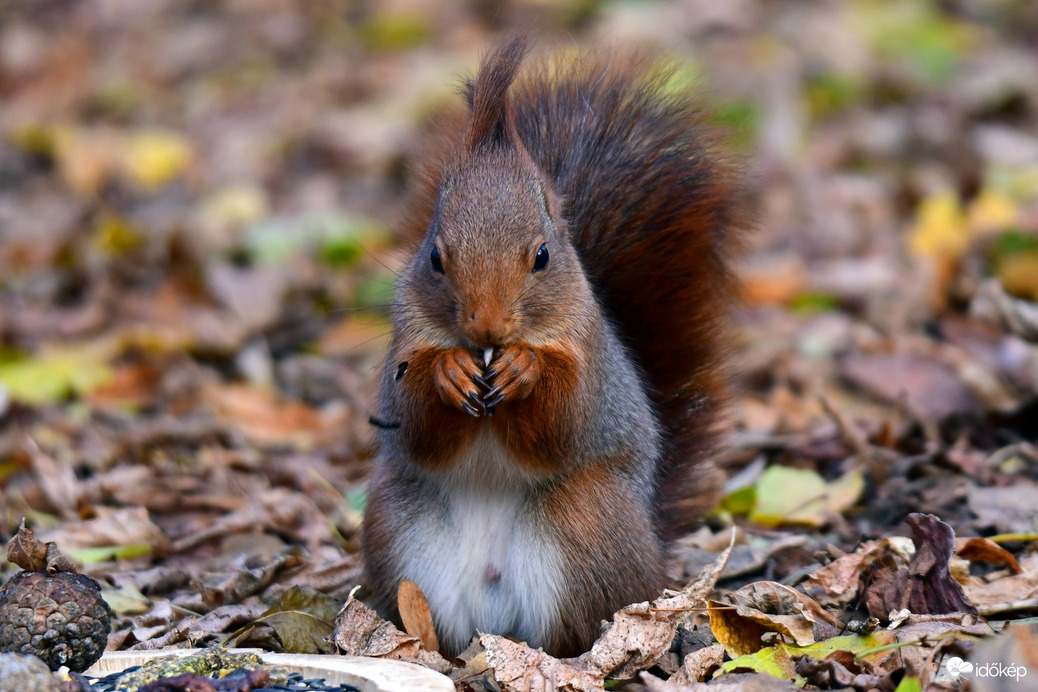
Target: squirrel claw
470,409
493,397
480,381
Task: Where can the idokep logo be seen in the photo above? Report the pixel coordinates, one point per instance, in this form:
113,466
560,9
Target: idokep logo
959,669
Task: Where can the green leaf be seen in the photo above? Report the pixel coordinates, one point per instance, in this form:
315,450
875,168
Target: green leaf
811,303
909,683
774,661
778,660
740,501
94,555
797,496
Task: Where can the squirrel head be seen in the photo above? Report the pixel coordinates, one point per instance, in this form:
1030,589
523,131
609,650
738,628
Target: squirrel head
496,265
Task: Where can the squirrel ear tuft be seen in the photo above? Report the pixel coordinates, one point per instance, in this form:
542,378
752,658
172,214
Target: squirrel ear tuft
487,95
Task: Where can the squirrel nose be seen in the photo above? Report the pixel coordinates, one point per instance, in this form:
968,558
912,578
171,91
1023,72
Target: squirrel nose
489,327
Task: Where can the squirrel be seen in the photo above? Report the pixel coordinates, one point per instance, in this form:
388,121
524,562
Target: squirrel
555,379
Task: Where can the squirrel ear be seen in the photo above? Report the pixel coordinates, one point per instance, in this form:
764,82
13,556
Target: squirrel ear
490,123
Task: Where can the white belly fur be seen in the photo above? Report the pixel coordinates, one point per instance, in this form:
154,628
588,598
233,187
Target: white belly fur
488,525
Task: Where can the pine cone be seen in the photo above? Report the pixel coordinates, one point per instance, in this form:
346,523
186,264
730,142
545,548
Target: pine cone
60,618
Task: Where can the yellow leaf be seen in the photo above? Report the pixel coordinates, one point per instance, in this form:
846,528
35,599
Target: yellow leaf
1019,274
113,235
940,228
155,157
991,211
54,375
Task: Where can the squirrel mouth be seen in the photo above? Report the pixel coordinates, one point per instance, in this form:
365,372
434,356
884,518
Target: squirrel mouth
488,355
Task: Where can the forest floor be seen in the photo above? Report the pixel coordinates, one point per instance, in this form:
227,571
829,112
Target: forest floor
197,203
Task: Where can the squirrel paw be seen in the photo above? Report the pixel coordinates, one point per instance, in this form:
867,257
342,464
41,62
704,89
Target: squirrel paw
457,375
512,374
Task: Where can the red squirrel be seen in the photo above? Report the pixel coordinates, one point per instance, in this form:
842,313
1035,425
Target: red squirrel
553,386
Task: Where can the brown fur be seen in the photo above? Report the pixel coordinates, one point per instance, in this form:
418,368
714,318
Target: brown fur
607,375
655,233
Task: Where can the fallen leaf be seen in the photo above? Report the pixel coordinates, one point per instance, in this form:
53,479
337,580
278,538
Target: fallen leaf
25,551
128,526
54,375
415,614
264,417
302,619
1003,592
699,665
744,616
813,502
1008,509
359,631
926,584
929,390
838,583
978,549
940,227
518,668
152,158
641,633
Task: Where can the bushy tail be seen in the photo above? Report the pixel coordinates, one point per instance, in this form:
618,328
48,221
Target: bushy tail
656,214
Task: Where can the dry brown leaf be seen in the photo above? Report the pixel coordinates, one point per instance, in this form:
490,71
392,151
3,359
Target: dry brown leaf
977,549
1009,509
640,633
414,612
930,390
637,637
732,682
518,668
1000,592
57,481
112,527
926,585
699,665
266,418
837,583
741,619
359,631
131,385
25,551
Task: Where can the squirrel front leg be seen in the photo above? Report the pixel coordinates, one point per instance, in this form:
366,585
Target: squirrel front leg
440,407
535,392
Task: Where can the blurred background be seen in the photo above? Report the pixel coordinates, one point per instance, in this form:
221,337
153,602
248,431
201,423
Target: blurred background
197,202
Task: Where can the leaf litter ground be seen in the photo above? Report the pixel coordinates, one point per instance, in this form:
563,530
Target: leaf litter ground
196,262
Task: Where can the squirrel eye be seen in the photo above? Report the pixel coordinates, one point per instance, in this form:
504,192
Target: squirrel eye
434,258
541,260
